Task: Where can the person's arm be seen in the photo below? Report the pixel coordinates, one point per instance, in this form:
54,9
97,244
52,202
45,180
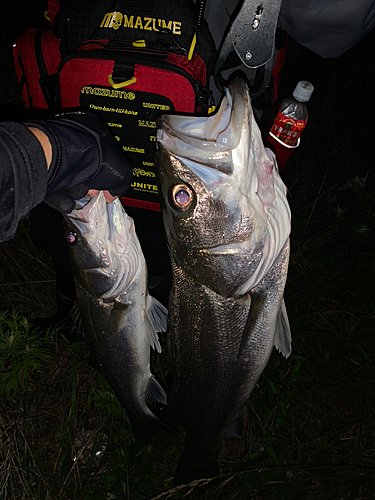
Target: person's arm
58,161
47,148
85,159
23,175
44,142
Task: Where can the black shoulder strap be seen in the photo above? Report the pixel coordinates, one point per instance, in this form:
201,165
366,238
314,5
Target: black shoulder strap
79,20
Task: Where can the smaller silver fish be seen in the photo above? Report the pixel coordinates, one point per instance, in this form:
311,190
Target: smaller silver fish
120,318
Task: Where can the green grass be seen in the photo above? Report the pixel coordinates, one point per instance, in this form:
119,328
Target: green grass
22,352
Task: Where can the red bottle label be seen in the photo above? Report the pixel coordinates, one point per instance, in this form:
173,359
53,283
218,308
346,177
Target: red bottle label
287,130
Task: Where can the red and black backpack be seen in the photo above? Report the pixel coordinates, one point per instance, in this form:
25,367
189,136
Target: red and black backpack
127,61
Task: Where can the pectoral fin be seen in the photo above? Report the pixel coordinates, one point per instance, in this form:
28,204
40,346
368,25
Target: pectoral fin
283,337
155,392
257,305
156,318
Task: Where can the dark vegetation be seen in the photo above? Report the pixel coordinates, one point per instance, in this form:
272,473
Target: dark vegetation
311,418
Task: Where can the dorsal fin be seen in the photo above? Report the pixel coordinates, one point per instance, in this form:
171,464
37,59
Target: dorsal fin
283,337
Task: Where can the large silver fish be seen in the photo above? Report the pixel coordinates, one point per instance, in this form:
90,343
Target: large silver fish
120,318
228,222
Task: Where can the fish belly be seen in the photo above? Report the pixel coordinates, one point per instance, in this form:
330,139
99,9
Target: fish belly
119,358
219,350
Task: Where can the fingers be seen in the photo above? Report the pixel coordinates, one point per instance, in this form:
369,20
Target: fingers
109,198
107,195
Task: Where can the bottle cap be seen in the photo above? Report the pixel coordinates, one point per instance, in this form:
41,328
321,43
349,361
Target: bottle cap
303,91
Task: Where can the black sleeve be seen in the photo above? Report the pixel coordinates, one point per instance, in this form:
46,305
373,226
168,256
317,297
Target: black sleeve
23,175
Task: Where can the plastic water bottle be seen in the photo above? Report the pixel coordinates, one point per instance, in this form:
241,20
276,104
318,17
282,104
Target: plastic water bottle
289,123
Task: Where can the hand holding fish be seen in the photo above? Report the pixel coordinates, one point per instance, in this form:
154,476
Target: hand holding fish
47,149
59,161
107,195
82,159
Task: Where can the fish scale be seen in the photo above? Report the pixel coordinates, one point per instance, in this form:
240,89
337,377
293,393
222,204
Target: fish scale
194,342
211,369
198,350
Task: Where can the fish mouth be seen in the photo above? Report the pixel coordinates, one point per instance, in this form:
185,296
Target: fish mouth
83,211
241,185
95,215
209,140
106,230
215,157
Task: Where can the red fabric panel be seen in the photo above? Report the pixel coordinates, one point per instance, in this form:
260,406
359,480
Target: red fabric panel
19,71
92,45
148,205
51,52
24,48
277,69
167,83
79,72
196,67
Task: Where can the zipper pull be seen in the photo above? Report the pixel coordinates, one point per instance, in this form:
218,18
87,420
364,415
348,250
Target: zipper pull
199,10
180,48
175,48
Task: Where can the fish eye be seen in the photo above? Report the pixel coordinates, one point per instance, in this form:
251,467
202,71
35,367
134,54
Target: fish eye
182,197
71,237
